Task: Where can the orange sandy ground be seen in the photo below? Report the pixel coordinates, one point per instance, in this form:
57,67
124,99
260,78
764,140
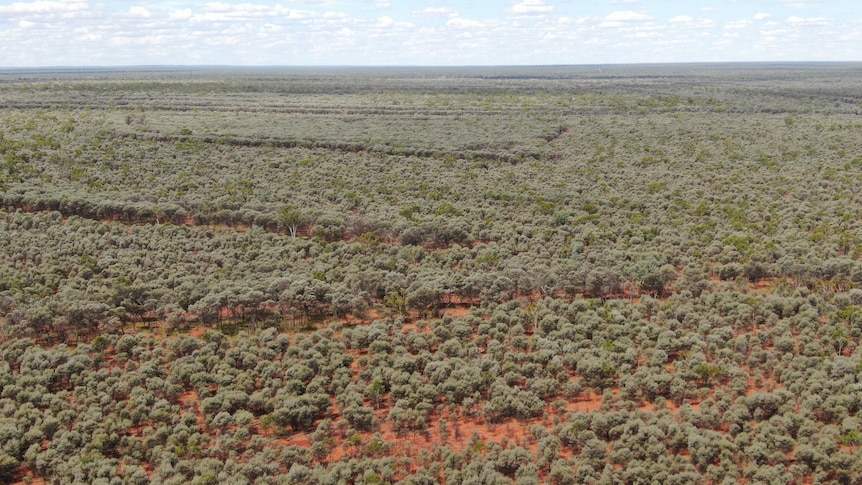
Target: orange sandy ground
459,428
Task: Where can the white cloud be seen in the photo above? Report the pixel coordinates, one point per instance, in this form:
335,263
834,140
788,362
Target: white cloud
588,20
41,7
223,7
800,3
622,17
531,7
226,12
183,14
646,35
801,21
691,22
435,12
139,12
627,16
379,4
149,40
738,24
82,32
90,37
462,23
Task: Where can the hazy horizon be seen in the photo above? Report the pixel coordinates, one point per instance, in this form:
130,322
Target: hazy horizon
426,67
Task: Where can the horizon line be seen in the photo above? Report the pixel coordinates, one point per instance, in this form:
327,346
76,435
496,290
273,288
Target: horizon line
417,66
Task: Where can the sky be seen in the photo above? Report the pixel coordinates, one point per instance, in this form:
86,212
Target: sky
433,32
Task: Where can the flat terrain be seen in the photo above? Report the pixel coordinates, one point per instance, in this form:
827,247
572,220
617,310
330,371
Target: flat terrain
592,274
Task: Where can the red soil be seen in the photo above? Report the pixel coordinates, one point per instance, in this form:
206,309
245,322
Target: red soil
191,401
30,478
457,311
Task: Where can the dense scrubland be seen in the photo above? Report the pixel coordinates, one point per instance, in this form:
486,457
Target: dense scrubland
615,274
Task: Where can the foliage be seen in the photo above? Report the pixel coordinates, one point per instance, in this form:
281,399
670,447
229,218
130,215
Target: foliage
457,275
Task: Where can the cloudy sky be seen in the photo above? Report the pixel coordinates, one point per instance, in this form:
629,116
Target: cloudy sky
425,32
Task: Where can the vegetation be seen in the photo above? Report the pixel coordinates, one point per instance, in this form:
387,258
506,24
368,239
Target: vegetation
640,274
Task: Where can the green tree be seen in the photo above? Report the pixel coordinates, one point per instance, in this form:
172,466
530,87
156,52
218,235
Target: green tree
8,468
292,219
